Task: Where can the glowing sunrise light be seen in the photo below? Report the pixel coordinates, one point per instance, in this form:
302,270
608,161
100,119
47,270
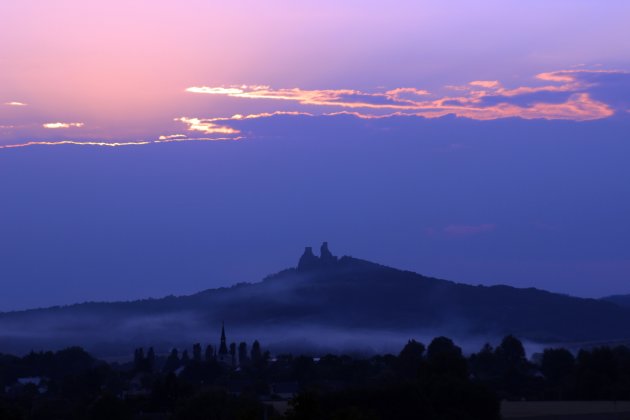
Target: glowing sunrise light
173,136
398,92
62,125
206,126
269,114
215,90
15,103
347,98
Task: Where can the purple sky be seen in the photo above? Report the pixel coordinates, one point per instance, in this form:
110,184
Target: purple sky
292,123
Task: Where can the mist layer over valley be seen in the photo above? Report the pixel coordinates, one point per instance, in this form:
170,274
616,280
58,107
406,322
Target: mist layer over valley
324,304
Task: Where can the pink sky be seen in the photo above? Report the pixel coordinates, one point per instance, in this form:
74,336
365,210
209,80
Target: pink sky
119,70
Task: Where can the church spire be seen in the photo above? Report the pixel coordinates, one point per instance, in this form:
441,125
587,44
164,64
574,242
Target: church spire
223,350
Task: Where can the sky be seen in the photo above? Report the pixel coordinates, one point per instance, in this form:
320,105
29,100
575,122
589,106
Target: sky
153,147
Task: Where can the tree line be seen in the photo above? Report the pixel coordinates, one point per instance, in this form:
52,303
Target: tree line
433,381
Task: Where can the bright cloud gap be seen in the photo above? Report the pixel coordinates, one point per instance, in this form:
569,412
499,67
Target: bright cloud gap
56,125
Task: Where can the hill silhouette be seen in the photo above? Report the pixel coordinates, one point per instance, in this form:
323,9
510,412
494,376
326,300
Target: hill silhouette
322,301
621,300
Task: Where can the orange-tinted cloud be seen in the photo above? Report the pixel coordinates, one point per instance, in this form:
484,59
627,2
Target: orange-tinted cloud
480,99
488,84
213,126
264,115
575,94
207,126
346,98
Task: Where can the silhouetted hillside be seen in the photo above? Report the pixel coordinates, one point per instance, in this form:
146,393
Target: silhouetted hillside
322,302
621,300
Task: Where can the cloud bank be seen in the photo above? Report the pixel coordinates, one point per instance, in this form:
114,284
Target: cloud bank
481,99
572,95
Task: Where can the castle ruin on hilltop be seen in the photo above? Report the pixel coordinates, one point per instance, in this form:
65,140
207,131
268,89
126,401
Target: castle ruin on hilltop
309,261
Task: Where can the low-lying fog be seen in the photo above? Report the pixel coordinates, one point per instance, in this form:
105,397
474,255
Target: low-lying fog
164,332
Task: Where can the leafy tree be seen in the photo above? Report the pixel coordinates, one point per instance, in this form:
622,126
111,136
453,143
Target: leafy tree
483,364
256,354
72,360
172,361
411,358
513,368
512,352
243,359
138,359
150,360
197,353
558,367
233,353
597,374
445,358
303,369
185,358
209,356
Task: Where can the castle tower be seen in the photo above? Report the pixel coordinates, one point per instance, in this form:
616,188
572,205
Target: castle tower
326,256
308,260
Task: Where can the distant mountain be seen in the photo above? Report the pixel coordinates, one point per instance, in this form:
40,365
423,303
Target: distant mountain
324,302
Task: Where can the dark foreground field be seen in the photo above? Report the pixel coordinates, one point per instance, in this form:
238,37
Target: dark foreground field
566,410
